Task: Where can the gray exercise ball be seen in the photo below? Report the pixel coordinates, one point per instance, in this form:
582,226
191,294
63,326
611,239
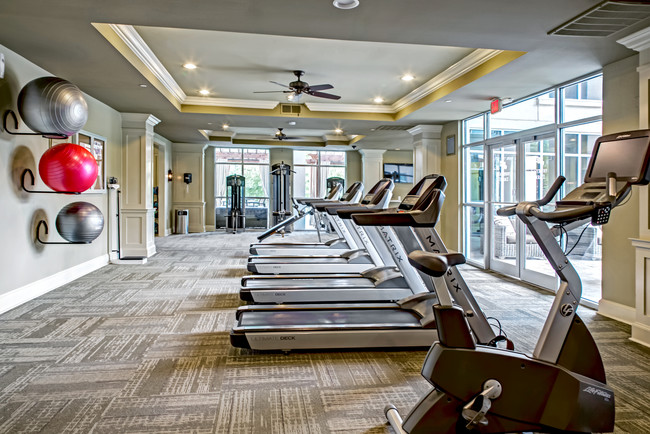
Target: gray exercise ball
52,105
80,222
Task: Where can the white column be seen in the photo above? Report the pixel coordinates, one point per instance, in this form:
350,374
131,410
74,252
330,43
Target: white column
372,166
136,207
640,41
426,150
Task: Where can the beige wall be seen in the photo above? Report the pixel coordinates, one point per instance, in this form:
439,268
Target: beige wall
27,266
450,167
189,158
621,113
209,194
400,157
353,172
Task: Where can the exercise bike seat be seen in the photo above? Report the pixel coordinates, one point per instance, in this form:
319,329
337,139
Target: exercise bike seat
435,264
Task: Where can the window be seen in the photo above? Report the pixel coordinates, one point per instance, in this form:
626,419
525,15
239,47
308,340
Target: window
582,100
523,115
515,155
253,164
312,170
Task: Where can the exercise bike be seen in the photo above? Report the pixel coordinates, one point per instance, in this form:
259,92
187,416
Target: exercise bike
562,386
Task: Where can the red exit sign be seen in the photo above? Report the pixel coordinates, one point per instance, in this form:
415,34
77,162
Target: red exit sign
495,106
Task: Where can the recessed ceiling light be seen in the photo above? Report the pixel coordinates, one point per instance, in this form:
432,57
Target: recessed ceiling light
292,122
338,131
209,123
372,129
346,4
143,85
189,66
204,92
407,77
447,100
397,149
225,126
378,99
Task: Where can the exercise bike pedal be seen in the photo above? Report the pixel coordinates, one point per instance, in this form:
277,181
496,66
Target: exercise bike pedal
474,411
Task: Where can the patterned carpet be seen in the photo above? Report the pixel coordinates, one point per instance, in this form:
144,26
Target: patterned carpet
145,348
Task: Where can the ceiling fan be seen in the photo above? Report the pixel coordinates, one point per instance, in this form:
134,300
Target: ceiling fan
279,135
300,87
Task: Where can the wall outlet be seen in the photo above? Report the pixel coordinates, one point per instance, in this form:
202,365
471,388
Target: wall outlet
2,65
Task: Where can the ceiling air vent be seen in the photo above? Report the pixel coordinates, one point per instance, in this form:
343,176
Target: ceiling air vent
393,127
290,109
605,19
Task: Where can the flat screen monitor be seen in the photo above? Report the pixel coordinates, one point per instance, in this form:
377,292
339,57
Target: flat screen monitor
625,154
400,173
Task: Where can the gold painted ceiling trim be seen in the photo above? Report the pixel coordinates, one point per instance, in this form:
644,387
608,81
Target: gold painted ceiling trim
474,74
276,112
128,42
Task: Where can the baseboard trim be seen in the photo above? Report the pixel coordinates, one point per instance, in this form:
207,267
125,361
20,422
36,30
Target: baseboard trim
617,311
641,334
18,296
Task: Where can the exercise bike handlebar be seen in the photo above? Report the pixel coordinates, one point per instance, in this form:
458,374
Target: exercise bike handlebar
552,191
562,216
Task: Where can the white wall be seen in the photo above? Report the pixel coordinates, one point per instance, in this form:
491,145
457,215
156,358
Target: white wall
27,267
621,113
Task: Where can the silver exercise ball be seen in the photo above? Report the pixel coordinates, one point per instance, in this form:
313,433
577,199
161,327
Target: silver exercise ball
80,222
52,105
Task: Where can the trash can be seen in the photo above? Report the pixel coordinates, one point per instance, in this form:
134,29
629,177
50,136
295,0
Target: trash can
182,221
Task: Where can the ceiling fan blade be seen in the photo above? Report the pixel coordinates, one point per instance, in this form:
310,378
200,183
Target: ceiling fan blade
280,84
321,87
273,91
324,95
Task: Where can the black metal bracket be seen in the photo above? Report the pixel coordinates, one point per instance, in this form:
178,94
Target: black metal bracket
15,133
38,235
31,175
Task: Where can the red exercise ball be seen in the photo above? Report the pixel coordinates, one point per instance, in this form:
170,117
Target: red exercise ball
68,167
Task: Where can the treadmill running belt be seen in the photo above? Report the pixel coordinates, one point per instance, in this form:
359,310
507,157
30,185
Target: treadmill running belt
330,319
283,283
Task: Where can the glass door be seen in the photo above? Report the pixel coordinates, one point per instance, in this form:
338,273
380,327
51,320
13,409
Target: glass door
503,192
539,172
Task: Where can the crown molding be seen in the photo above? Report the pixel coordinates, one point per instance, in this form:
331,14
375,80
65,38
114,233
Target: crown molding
421,129
349,108
463,66
638,41
129,35
227,102
139,47
138,120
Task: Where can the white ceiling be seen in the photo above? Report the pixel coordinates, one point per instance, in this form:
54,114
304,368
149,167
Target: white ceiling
241,45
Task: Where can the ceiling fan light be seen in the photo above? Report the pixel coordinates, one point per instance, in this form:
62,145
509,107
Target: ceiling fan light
346,4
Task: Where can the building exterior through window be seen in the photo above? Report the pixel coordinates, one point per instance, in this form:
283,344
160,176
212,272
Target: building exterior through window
515,155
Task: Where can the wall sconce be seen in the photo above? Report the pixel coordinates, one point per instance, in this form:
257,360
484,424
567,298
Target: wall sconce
170,175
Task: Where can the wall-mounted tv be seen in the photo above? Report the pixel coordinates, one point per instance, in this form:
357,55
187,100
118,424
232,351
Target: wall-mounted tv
400,173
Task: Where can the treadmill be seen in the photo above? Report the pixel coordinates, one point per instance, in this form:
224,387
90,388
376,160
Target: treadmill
408,323
332,195
377,284
366,255
352,195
